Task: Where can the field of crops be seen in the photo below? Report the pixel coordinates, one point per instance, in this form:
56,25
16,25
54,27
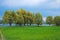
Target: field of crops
31,33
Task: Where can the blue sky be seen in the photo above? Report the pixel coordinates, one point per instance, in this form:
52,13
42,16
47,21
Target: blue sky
45,7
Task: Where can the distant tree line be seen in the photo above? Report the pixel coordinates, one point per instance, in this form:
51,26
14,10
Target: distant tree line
53,20
25,17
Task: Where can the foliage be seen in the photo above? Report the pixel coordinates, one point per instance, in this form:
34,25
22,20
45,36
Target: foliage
38,18
19,19
23,12
29,17
9,17
49,20
26,17
57,20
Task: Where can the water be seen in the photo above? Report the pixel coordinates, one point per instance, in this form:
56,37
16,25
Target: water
23,25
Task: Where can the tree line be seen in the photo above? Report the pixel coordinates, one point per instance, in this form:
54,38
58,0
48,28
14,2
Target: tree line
23,17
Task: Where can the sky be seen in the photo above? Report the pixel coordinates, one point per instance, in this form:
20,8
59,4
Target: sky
45,7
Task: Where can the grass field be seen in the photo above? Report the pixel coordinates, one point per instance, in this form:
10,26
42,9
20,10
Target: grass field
31,33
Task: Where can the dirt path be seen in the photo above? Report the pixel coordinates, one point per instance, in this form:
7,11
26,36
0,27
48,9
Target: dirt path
1,36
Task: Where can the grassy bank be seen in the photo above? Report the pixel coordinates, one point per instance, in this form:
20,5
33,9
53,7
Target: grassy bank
31,33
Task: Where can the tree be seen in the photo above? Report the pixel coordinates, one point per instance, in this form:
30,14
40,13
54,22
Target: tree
9,17
38,19
57,20
19,19
5,17
23,12
49,20
29,18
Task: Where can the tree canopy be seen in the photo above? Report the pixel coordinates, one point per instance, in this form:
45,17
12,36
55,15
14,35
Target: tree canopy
22,16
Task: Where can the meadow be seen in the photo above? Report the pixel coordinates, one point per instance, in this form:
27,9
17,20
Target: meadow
31,33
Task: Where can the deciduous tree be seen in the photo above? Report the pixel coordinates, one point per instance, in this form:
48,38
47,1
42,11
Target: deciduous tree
38,19
9,17
57,20
49,20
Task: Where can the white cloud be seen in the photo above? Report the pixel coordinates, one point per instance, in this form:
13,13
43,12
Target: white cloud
16,3
44,19
54,4
44,4
32,3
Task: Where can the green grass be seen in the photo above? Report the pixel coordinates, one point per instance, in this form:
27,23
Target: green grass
31,33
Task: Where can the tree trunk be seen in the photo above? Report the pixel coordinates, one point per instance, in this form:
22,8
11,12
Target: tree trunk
24,24
30,24
27,24
49,24
38,25
20,24
10,24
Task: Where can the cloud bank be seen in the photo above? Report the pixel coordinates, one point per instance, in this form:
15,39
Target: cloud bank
16,3
32,3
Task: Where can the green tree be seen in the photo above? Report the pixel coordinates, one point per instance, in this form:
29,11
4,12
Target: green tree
19,19
29,18
57,20
38,19
49,20
9,17
23,12
5,17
